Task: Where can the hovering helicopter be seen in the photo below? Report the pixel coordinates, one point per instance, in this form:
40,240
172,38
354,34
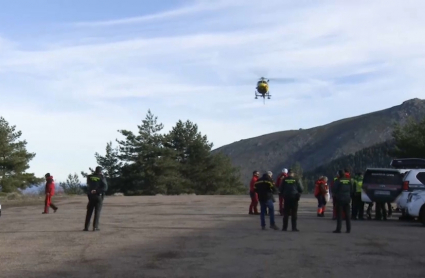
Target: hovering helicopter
263,86
262,89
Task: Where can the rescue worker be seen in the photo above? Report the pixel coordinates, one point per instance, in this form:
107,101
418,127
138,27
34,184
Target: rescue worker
50,192
291,189
279,179
333,200
265,188
96,188
320,191
357,210
254,197
342,190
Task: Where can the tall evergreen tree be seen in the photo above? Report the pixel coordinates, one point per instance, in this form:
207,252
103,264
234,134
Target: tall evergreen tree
14,160
204,172
111,165
142,154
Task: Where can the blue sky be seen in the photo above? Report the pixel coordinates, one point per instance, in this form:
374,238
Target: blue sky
74,72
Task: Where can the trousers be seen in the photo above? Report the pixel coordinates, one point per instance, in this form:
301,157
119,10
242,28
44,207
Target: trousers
290,208
358,206
254,203
95,203
340,209
264,205
48,203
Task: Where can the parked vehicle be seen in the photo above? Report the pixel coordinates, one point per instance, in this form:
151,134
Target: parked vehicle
413,181
382,184
416,205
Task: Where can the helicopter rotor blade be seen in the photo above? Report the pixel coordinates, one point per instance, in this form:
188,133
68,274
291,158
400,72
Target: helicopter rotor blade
283,80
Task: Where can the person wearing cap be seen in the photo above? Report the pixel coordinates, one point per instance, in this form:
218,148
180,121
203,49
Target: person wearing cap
96,188
254,197
279,180
291,189
342,192
265,188
49,191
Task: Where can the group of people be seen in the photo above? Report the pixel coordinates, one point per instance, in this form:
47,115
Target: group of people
96,189
262,191
345,192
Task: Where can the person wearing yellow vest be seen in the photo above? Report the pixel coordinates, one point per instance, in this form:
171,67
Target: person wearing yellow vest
358,205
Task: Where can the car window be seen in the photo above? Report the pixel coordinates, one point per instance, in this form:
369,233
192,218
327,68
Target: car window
383,177
421,177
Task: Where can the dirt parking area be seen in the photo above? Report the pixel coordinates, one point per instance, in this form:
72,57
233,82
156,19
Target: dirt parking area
200,236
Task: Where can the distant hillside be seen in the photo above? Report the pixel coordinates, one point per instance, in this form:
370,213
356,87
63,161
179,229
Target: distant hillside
318,146
374,156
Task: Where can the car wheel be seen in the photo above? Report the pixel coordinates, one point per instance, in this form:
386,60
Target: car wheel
422,215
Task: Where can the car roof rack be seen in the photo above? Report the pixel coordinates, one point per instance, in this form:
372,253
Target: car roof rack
408,163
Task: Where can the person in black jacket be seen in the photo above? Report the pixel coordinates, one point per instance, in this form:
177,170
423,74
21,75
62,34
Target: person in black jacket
96,188
264,187
342,192
291,189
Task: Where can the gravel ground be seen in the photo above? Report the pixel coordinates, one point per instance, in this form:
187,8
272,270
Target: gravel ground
200,236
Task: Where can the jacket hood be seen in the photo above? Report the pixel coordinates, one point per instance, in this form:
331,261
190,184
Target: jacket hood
50,178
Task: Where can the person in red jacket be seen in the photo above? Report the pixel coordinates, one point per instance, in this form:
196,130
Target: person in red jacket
254,196
320,191
49,191
279,180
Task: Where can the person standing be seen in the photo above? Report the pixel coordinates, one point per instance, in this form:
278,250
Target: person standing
320,191
279,179
50,192
96,188
358,204
291,189
342,190
264,187
254,197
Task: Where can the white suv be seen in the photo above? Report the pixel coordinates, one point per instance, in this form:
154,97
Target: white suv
416,205
413,181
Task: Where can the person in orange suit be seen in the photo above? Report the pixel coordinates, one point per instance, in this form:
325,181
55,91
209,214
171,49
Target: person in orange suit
320,191
254,196
50,192
279,180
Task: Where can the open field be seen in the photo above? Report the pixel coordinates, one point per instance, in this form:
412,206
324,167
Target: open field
200,236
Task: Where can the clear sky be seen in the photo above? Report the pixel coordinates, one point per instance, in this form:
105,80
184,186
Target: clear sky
73,72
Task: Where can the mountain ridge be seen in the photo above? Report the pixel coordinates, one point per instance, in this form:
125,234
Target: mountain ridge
319,145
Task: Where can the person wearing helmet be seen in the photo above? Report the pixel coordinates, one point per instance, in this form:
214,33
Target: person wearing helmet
279,180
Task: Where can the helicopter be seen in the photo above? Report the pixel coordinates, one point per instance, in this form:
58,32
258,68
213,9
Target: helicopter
262,89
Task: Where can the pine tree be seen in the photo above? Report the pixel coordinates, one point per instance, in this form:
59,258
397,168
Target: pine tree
72,185
111,165
142,155
14,160
202,171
